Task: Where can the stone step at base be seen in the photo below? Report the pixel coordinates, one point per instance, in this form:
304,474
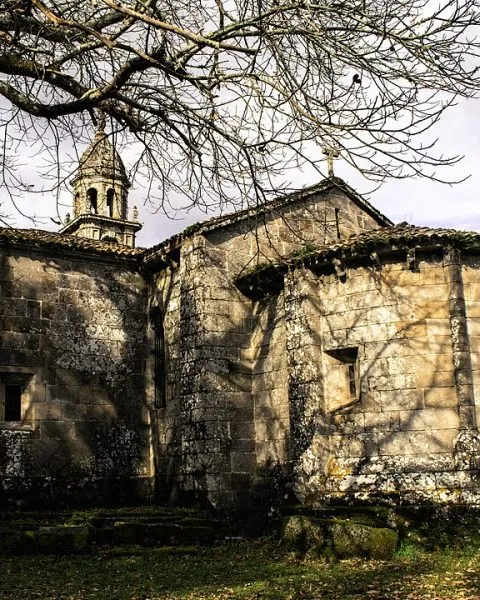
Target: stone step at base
66,533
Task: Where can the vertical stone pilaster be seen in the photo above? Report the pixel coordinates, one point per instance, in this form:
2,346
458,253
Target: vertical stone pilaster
460,339
216,406
309,432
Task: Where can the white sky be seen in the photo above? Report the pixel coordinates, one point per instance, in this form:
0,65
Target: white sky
420,202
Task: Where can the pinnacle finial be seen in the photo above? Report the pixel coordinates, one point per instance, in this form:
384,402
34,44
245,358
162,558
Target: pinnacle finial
101,120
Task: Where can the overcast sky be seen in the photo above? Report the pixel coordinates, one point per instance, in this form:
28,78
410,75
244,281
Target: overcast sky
417,201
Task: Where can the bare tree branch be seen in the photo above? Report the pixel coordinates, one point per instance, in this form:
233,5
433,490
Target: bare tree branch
221,98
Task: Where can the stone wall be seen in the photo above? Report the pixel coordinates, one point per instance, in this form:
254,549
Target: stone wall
297,227
219,456
270,398
223,436
403,434
73,335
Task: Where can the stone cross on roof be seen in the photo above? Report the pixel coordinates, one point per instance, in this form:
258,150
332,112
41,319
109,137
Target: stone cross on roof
331,154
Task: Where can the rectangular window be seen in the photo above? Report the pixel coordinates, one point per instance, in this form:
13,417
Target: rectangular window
16,389
337,222
342,388
13,402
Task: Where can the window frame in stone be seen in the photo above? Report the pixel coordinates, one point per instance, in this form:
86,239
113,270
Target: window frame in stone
341,378
16,383
337,222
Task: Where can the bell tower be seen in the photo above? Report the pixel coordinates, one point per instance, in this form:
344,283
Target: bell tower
100,204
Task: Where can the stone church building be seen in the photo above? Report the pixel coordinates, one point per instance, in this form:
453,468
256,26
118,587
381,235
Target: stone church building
306,349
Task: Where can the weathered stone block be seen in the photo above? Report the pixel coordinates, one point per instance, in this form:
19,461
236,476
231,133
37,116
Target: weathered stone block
303,533
271,429
18,541
63,540
429,419
435,379
415,442
243,461
473,309
354,539
440,397
129,533
241,481
73,412
397,399
48,411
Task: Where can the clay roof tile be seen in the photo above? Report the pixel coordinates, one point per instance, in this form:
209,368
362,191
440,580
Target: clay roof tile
36,238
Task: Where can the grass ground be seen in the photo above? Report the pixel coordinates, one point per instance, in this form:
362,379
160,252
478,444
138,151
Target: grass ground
243,570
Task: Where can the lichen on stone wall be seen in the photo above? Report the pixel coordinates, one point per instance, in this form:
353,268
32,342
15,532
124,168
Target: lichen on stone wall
95,344
14,452
117,452
97,323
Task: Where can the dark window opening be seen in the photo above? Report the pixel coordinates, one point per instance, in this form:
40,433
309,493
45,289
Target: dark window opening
337,222
344,355
110,196
92,199
352,380
159,359
13,402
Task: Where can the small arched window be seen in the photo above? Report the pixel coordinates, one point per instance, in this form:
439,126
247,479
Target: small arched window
92,199
110,197
76,204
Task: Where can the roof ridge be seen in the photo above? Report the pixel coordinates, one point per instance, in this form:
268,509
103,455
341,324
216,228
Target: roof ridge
280,201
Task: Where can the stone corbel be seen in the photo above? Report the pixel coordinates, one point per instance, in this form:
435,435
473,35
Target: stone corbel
340,269
375,260
411,262
451,256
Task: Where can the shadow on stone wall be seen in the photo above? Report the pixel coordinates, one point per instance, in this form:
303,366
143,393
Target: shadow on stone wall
392,445
211,455
79,327
406,448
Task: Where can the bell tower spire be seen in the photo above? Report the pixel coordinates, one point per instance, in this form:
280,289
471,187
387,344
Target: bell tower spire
100,188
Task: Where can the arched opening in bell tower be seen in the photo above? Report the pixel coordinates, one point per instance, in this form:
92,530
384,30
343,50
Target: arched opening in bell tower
93,200
110,198
76,204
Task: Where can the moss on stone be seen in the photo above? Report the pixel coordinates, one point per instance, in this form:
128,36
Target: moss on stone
355,539
375,516
63,540
303,534
18,542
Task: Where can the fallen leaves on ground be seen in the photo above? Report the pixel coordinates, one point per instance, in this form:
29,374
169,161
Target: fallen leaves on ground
248,571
